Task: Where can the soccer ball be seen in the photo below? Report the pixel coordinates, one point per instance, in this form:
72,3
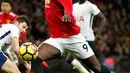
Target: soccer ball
29,51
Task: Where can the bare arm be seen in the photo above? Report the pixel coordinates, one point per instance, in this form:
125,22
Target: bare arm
102,22
15,46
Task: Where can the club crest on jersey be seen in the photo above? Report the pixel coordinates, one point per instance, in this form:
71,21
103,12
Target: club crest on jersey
8,21
47,1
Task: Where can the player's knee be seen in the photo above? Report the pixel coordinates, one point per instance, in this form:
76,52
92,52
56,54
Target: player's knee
47,51
43,51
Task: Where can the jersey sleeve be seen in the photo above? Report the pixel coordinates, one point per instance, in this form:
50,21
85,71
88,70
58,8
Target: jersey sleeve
15,32
13,15
67,4
23,36
94,9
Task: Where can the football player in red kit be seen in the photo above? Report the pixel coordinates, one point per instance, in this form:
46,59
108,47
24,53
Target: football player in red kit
65,34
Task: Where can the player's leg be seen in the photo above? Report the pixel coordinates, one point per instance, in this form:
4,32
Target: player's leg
36,66
7,65
92,45
89,59
46,52
85,53
93,64
76,63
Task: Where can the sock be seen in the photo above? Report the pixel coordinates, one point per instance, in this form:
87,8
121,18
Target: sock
36,66
79,66
69,58
22,68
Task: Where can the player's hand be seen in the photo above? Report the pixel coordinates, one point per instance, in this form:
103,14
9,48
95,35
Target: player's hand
66,18
28,67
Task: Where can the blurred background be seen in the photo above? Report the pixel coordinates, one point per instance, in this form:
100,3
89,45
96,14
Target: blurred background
112,46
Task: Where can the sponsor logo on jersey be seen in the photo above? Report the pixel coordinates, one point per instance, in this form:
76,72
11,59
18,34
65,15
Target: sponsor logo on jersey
79,18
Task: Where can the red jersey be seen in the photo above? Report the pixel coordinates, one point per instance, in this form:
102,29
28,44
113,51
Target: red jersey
55,10
8,19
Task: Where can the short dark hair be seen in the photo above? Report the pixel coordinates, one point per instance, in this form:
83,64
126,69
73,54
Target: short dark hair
22,18
8,1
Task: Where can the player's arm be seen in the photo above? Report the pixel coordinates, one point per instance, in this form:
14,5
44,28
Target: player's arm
100,16
67,4
15,46
102,20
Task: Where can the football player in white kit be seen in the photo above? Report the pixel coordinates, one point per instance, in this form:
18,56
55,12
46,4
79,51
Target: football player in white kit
84,12
9,34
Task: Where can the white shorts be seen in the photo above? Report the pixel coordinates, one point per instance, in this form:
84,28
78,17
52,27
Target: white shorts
76,43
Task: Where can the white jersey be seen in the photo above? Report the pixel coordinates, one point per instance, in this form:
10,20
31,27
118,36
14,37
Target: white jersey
84,14
7,31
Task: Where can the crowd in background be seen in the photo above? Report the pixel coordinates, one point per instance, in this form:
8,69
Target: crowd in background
113,45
